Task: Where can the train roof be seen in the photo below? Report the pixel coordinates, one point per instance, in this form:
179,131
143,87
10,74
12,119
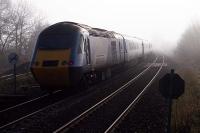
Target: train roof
98,32
94,31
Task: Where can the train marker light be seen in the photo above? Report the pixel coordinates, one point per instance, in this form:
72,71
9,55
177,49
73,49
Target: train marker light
64,62
71,62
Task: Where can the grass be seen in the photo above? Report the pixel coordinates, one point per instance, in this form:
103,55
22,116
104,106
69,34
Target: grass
186,109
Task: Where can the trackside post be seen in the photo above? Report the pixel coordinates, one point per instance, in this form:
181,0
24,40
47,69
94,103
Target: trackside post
13,58
171,87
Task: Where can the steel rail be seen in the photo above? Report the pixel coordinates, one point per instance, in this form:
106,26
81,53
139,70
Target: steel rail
9,76
22,104
72,122
32,100
128,109
4,76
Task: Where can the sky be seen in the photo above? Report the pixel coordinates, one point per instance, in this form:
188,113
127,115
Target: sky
162,22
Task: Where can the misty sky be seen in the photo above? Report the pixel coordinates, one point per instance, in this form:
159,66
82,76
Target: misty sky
160,21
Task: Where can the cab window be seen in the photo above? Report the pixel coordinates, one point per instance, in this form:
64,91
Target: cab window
80,47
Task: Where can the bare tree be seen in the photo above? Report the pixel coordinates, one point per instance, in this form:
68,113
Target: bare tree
19,29
22,26
5,27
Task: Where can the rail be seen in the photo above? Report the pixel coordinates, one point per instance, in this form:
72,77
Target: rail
127,110
10,76
67,126
23,104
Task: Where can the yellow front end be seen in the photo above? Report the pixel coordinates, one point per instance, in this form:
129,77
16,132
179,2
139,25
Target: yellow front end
50,68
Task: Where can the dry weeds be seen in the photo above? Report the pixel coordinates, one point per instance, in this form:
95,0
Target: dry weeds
186,109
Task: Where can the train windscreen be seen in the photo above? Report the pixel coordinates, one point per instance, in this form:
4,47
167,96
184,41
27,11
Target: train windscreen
57,41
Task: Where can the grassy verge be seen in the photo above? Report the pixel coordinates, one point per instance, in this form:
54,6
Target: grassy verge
24,83
186,109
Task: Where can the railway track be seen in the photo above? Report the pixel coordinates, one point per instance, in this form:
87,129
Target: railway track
107,114
121,117
51,117
26,89
150,113
10,76
23,110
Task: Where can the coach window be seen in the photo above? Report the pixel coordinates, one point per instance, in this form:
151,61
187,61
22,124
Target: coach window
121,45
86,49
85,45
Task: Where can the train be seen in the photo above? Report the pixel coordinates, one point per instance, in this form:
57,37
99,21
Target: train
74,55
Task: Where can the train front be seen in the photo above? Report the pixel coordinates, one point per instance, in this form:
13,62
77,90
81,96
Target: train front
55,56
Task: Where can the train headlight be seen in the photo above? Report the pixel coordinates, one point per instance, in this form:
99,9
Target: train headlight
71,62
64,62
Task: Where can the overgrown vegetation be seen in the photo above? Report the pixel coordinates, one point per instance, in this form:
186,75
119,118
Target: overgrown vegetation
186,110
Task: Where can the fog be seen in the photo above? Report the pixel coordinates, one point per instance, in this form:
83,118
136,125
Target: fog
158,21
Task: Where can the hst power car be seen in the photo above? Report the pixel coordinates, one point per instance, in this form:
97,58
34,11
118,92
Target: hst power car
69,54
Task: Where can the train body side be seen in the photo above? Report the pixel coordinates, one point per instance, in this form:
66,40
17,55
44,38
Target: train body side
134,48
106,52
66,55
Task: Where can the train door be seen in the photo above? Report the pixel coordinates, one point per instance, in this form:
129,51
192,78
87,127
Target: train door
114,52
87,51
121,51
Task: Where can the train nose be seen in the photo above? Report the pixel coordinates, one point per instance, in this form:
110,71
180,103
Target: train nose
51,68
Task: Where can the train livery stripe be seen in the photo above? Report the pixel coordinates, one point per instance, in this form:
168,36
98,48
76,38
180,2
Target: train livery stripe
52,55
